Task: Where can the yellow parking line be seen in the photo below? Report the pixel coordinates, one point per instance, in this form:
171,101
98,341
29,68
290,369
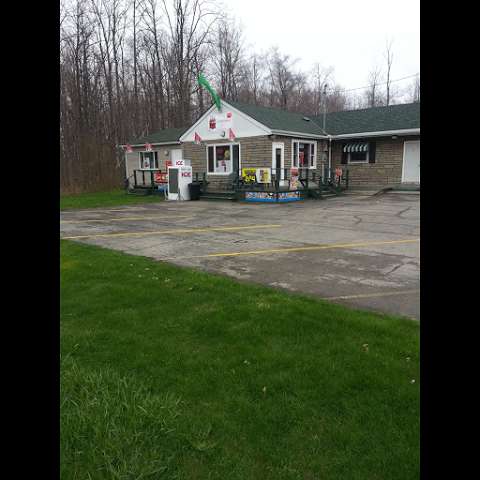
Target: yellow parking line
371,295
166,232
124,219
304,249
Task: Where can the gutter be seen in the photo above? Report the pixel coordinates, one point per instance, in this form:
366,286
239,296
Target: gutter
329,156
177,142
299,134
384,133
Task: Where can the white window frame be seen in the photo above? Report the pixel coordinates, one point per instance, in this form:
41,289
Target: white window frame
141,163
229,144
281,146
357,162
315,147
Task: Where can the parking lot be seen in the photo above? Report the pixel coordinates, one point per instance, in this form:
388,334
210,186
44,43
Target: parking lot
362,251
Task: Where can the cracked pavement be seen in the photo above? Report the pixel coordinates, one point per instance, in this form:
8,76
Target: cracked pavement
362,251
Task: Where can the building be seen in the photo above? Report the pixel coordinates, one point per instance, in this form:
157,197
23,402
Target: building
379,146
150,153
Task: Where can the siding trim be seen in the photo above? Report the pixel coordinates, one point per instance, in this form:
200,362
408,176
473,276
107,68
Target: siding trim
159,143
299,134
408,131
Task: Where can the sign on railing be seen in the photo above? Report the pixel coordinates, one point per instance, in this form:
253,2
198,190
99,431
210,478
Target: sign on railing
161,177
264,175
249,175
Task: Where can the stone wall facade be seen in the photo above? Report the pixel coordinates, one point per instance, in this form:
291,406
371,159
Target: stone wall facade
132,160
387,169
254,152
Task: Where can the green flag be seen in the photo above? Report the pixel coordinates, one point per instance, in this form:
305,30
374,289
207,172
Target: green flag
204,83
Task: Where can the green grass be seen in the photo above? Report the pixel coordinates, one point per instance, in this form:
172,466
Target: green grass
111,198
171,373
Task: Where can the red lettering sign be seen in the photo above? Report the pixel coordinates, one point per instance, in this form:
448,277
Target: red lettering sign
186,174
160,177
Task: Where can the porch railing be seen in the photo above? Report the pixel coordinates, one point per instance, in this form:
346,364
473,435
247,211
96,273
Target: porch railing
280,181
145,178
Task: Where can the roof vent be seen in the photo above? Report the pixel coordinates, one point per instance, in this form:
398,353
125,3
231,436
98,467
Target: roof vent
306,119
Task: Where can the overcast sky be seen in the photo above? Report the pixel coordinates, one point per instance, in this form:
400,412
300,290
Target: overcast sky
348,35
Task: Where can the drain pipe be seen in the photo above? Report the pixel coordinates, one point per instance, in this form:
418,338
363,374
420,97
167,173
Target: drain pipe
329,157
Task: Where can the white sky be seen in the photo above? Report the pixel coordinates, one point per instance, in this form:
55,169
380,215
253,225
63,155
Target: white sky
349,35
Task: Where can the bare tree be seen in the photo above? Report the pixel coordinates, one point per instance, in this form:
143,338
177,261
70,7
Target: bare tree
188,26
251,87
227,58
320,78
336,99
152,39
256,76
414,95
282,77
389,60
372,94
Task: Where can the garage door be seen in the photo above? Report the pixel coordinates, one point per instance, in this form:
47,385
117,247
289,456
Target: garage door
411,162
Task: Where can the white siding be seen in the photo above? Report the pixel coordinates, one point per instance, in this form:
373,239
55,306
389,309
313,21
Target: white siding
243,126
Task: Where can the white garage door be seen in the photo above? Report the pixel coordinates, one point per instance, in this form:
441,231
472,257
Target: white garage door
411,162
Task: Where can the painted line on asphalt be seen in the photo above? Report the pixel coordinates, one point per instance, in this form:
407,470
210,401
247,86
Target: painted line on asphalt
372,295
124,219
301,249
178,230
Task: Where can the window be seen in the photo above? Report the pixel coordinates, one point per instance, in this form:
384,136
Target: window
358,157
223,159
148,160
358,152
304,154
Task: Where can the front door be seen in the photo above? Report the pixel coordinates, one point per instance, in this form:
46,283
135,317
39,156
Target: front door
176,154
411,162
278,161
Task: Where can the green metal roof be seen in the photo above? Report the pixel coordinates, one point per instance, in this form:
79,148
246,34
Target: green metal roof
377,119
167,135
277,119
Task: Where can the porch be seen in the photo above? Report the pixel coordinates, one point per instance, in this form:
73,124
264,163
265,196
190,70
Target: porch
281,187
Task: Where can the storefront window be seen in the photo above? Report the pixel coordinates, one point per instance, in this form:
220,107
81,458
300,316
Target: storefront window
221,158
148,160
304,154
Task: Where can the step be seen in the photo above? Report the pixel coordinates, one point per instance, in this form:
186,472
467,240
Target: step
404,192
216,197
139,192
220,193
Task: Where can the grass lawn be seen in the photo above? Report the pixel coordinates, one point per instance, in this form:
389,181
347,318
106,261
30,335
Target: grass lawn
171,373
105,199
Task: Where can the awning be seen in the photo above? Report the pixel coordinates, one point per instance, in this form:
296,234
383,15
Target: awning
356,147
